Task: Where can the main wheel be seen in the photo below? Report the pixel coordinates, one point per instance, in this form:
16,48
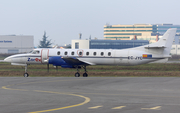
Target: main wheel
26,74
77,74
85,75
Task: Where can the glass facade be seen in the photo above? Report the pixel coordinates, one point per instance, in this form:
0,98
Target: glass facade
126,31
122,33
77,45
142,31
162,28
116,44
128,27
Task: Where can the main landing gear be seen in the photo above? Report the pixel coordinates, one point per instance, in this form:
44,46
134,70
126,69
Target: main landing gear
76,74
84,74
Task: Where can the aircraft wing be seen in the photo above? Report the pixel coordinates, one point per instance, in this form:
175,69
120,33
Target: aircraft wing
75,61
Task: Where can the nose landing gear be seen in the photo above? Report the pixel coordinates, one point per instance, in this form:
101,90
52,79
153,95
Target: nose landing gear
26,74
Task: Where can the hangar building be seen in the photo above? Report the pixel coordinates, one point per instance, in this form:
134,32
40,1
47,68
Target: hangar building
10,44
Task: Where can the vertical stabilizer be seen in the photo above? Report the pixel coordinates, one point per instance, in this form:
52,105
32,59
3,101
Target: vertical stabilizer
165,42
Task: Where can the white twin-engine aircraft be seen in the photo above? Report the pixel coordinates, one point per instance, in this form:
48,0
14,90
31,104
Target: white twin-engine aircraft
77,58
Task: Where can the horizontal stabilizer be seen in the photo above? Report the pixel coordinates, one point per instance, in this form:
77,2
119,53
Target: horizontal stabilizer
167,56
154,47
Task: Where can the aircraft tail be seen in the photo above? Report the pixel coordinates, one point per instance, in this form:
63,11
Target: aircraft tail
163,45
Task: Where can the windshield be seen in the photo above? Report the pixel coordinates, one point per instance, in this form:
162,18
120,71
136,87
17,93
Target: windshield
30,52
34,52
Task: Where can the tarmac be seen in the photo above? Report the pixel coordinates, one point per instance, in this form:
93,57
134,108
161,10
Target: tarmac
91,94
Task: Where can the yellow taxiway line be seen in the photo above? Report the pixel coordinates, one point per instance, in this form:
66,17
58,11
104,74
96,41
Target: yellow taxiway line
95,107
120,107
153,108
87,99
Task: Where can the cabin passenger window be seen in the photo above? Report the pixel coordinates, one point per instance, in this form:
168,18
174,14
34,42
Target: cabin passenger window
65,53
102,53
109,53
72,53
87,53
58,53
94,53
80,53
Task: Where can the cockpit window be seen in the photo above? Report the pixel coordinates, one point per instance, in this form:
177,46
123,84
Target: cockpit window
30,52
35,52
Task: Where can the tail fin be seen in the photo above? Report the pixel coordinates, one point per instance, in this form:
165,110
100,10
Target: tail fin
165,42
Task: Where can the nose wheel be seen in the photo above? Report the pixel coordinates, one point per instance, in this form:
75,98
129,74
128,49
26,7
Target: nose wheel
26,74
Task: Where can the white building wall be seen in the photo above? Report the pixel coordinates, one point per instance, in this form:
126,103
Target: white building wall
175,50
83,44
16,44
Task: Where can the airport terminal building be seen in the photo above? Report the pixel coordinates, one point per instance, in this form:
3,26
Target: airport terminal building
10,44
107,44
150,32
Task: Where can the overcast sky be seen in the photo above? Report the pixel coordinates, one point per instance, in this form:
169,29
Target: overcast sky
63,20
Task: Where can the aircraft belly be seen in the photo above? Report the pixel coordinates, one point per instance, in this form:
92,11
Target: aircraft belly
100,61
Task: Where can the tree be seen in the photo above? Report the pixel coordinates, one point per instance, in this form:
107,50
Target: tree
45,43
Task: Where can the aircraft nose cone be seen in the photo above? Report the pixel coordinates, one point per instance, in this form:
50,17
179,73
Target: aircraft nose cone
7,59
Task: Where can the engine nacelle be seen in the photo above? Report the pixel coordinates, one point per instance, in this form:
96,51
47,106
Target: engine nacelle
57,61
70,66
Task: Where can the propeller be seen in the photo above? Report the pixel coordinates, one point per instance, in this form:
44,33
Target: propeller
48,67
47,61
56,68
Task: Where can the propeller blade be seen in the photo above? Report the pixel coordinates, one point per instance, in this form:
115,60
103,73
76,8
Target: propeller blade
48,67
56,68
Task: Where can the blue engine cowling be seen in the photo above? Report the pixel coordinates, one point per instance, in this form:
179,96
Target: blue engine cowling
58,61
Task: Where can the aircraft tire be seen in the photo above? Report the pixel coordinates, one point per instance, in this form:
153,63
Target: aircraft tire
85,75
77,74
26,74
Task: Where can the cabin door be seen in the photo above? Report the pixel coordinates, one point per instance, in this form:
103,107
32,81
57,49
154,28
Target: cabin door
44,55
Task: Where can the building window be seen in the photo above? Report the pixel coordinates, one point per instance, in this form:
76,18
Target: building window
109,53
87,53
77,45
65,53
72,53
58,53
13,51
102,53
94,53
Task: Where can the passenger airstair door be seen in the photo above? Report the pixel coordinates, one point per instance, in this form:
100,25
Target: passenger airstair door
44,55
